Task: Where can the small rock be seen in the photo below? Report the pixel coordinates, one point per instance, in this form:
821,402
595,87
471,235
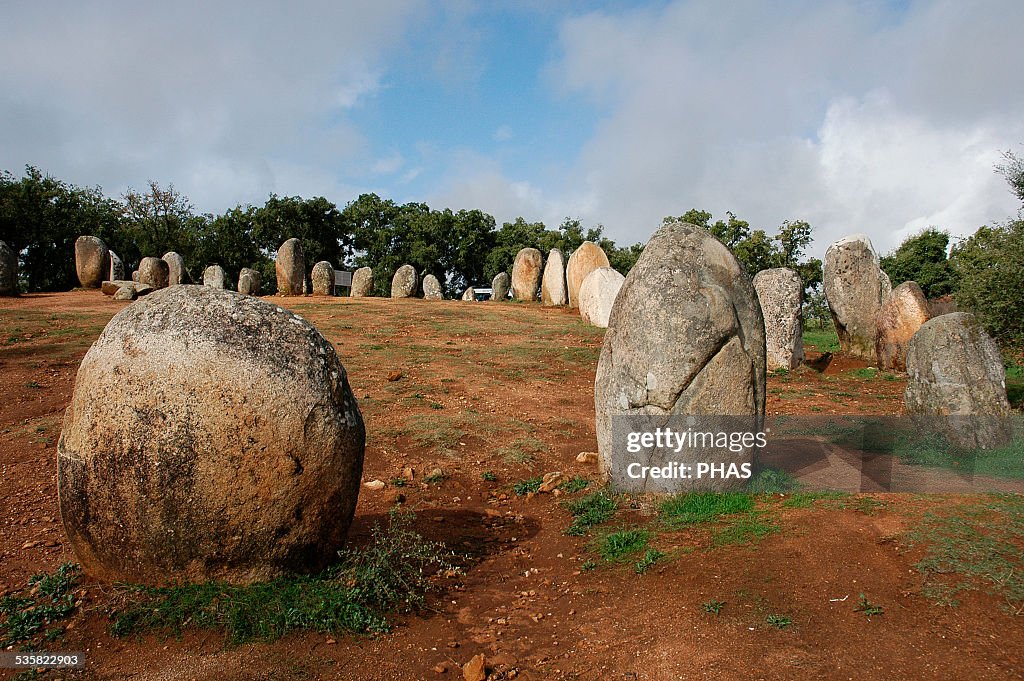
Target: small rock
551,481
126,293
374,485
474,670
408,473
394,375
440,668
331,641
587,457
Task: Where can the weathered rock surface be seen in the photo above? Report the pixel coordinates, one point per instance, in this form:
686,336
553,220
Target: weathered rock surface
856,288
211,435
956,382
154,272
432,288
404,283
500,286
902,314
92,261
248,282
685,338
781,293
597,295
214,276
553,290
584,260
135,275
126,293
116,266
290,267
110,288
8,270
469,294
322,279
362,282
175,268
526,274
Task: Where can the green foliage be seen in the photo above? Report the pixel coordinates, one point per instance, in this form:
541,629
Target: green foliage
868,608
922,258
702,507
1013,170
574,484
990,270
743,529
778,621
771,481
488,476
651,556
393,574
713,607
593,509
33,616
618,545
529,486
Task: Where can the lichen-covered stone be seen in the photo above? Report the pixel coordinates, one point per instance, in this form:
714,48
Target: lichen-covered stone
290,266
553,290
248,282
215,277
432,288
404,283
597,295
362,282
92,261
211,436
584,260
154,272
499,286
685,338
856,288
175,268
126,293
526,274
8,270
902,314
322,279
780,292
957,384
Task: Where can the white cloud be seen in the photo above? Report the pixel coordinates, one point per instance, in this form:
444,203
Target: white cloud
503,133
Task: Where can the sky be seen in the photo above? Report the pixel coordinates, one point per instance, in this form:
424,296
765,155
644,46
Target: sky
856,116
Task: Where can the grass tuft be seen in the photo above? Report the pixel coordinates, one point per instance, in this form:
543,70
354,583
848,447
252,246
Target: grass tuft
618,545
593,509
34,615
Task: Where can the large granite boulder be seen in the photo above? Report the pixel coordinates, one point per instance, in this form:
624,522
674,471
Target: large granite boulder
902,314
856,287
362,282
432,288
684,349
290,266
154,272
92,261
500,286
404,283
956,383
780,292
248,282
8,270
175,268
553,290
597,295
584,260
211,436
322,279
116,267
214,276
526,274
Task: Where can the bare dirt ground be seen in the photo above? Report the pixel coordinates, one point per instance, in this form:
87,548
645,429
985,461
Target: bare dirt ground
508,389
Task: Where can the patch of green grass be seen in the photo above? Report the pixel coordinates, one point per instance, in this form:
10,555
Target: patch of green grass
778,621
528,486
399,482
593,509
863,373
807,499
933,450
34,615
771,481
865,505
973,546
713,607
587,565
822,340
523,450
574,484
867,607
435,478
743,529
488,476
392,574
651,556
618,545
702,507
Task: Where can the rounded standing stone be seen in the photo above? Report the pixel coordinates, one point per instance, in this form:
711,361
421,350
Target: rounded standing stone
290,266
215,277
432,288
248,282
526,274
154,272
553,289
685,339
499,286
469,295
211,436
322,279
404,283
584,260
92,261
856,287
780,292
362,282
903,313
176,268
8,270
597,295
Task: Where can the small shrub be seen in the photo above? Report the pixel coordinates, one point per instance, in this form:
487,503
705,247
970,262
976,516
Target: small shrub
651,556
713,607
